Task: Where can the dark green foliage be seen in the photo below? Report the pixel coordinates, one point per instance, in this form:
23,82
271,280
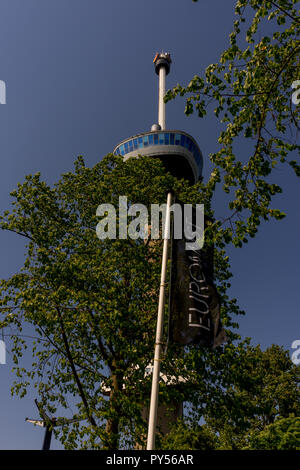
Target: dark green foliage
251,89
284,434
182,437
92,303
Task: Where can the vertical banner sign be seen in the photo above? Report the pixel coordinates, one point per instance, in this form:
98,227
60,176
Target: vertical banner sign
195,303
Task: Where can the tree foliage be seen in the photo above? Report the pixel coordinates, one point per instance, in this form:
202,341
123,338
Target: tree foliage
183,437
283,434
260,387
253,406
93,303
251,89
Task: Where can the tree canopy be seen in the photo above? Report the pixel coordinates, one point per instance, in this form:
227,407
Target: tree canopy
283,434
253,90
92,302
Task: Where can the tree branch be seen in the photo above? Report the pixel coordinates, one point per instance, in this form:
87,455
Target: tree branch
76,377
284,11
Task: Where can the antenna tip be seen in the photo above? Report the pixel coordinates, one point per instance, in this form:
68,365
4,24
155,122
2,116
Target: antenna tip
162,59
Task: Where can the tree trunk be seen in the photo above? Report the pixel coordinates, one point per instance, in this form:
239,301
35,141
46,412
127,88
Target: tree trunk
112,425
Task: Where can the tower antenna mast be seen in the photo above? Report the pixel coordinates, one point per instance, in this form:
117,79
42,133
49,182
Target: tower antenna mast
162,64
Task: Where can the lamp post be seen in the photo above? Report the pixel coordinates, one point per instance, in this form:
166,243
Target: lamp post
49,423
159,332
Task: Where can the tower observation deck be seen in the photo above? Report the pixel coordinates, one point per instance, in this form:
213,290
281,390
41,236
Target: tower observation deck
178,150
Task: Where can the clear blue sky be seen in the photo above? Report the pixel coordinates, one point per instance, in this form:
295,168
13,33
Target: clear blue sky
80,78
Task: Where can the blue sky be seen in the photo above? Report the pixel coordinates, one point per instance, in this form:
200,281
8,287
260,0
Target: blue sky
80,78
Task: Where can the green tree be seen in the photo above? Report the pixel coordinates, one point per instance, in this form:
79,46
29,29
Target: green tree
283,434
251,89
259,387
250,407
93,303
184,437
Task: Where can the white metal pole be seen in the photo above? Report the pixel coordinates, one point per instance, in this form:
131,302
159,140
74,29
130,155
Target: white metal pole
159,332
161,94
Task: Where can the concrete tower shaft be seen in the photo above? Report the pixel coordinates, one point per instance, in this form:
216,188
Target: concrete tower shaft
162,64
